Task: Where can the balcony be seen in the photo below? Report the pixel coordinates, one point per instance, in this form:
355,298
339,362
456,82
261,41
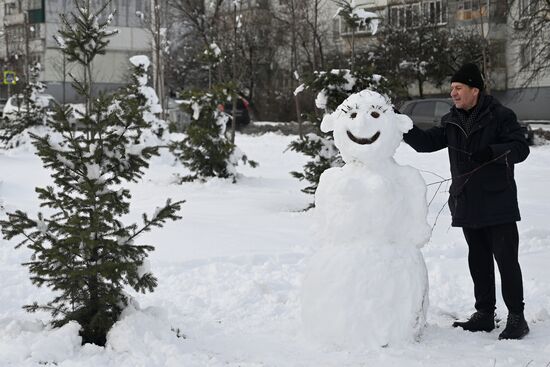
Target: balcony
13,19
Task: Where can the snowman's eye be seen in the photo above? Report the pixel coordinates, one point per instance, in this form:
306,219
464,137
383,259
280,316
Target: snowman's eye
375,114
353,115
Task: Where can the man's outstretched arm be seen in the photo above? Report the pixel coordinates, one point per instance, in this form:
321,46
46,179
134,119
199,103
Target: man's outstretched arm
426,140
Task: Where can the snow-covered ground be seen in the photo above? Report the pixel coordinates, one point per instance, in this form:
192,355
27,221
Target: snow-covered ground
230,273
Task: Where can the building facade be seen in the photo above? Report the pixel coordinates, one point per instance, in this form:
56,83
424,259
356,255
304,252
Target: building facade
28,27
493,20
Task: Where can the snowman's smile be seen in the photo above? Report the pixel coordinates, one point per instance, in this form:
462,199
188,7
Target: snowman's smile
363,141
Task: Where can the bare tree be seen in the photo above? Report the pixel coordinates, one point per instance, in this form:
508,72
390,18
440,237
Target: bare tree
305,26
16,39
193,13
61,68
531,20
156,24
274,40
290,16
410,56
201,23
314,45
486,43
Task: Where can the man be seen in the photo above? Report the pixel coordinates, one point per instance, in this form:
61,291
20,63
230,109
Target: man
484,141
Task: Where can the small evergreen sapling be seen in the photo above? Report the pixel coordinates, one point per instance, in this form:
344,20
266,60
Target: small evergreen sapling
30,113
205,150
82,250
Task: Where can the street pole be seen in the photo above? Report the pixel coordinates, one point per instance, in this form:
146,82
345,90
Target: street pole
158,62
27,46
27,55
64,78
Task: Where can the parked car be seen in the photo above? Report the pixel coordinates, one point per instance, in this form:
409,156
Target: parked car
427,113
242,115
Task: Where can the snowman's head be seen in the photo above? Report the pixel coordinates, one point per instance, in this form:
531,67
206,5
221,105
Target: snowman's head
366,128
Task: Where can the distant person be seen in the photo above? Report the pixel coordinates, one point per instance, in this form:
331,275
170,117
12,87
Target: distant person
484,141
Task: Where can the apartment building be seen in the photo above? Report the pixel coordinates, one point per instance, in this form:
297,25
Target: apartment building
491,18
28,27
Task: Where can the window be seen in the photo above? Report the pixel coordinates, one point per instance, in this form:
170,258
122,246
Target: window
435,12
527,7
527,55
35,4
472,9
13,7
405,16
115,10
15,33
335,29
36,58
410,15
34,31
394,16
345,29
123,13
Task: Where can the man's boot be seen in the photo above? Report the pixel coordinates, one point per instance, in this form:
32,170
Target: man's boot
479,321
516,327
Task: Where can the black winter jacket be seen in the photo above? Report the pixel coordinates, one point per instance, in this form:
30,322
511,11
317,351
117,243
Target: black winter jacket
481,195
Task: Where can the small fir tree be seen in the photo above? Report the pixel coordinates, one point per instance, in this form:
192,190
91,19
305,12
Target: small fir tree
30,112
332,88
149,104
205,150
82,250
212,56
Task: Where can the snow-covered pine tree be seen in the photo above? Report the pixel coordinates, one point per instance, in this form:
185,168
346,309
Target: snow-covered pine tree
212,56
332,89
31,111
205,150
356,17
82,249
149,104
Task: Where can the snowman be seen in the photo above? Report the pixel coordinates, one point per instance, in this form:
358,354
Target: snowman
367,285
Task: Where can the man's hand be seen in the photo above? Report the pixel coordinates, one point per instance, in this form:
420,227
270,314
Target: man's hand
482,155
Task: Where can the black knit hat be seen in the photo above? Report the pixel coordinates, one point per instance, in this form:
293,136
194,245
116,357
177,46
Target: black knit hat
469,74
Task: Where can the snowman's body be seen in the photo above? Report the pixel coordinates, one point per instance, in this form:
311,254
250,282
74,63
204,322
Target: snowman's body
367,285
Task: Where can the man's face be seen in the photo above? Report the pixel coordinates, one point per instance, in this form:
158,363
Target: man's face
464,96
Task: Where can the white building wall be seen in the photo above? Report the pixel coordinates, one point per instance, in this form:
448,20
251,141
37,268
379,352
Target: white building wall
109,68
514,51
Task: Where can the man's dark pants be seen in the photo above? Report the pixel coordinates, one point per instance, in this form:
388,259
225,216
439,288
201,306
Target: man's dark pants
500,241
